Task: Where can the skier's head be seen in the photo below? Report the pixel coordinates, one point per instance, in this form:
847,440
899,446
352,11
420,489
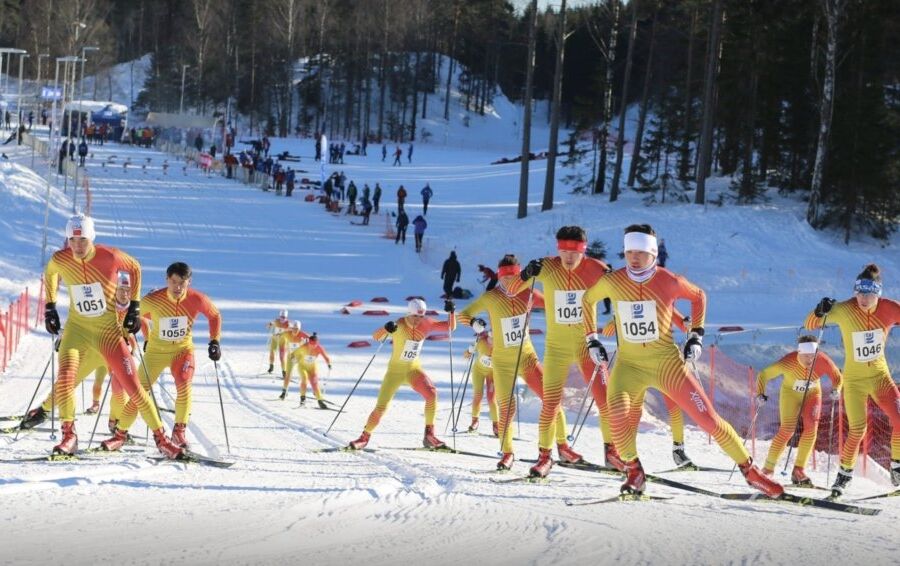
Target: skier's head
416,308
640,246
314,338
571,242
508,270
295,326
867,287
282,314
806,350
178,278
80,235
123,288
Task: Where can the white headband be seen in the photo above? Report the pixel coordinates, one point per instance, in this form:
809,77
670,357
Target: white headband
807,347
638,241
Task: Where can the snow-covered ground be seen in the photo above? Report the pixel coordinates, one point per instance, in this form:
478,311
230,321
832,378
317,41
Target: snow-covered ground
255,253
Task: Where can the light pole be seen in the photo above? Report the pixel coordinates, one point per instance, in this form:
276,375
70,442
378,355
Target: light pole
181,104
81,86
8,51
22,57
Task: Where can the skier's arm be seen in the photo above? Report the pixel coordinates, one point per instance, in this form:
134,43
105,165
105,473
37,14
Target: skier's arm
51,280
697,297
213,315
466,315
592,296
766,375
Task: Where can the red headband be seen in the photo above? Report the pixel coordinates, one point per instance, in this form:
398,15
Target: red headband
571,245
505,270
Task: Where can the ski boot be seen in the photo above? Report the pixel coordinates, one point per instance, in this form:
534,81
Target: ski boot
506,462
567,455
303,399
322,405
755,478
114,444
496,428
111,424
178,435
430,440
283,394
34,418
613,460
360,442
474,426
799,477
271,368
543,466
93,409
164,445
69,443
634,478
895,472
682,460
841,482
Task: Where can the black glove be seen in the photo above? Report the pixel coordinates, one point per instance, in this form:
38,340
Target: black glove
824,307
533,269
597,352
51,318
215,353
390,326
132,322
57,342
449,306
694,345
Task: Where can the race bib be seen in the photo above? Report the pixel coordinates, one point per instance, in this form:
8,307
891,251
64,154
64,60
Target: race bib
88,299
567,306
173,328
411,349
309,359
800,385
514,330
637,321
485,361
868,345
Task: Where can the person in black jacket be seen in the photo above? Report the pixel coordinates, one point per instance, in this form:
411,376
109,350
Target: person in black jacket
450,273
402,225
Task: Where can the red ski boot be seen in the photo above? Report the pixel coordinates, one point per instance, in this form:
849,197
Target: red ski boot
566,454
799,477
360,442
69,443
178,435
116,442
164,445
506,461
758,480
613,460
543,466
634,478
430,440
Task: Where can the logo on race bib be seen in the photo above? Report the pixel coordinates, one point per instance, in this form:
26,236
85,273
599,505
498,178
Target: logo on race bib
637,311
571,298
173,323
869,338
88,292
516,323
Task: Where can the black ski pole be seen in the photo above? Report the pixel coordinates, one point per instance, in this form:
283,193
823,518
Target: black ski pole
812,368
341,410
99,412
512,389
222,406
462,397
33,397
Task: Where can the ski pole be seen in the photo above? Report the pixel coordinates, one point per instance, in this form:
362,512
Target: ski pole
450,417
512,389
341,410
450,324
812,368
27,410
830,443
102,404
749,429
53,388
462,397
222,406
583,420
149,387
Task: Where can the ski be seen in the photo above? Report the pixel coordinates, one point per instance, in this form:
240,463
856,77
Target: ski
44,458
589,467
490,472
485,434
617,498
527,479
895,493
15,429
446,450
194,458
795,486
12,417
693,468
792,499
342,449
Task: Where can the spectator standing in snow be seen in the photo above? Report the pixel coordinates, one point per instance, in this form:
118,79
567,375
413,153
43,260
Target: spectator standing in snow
426,196
383,152
351,198
367,210
409,153
398,154
198,142
63,151
401,197
419,225
450,273
402,225
82,152
663,254
376,197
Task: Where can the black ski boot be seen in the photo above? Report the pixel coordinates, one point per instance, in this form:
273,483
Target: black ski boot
34,418
682,460
283,394
841,482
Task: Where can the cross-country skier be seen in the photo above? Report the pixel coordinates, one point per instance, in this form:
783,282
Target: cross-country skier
293,338
305,358
865,321
482,376
277,329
